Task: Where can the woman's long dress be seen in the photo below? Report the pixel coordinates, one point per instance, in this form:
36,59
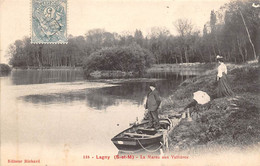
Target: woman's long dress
223,88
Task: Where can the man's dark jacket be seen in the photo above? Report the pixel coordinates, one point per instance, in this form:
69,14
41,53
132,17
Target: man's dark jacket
153,101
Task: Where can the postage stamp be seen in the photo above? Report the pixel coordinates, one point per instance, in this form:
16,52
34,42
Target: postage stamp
49,22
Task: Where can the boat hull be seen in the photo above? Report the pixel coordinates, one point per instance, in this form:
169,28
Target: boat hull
131,140
135,144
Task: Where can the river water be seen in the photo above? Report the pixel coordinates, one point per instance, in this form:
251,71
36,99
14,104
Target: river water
58,117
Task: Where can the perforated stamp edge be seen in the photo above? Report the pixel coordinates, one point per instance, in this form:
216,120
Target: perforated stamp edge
67,25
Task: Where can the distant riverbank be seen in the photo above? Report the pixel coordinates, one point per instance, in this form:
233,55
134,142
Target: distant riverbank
154,67
183,69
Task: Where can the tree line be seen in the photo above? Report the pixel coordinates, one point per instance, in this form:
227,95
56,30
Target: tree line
233,32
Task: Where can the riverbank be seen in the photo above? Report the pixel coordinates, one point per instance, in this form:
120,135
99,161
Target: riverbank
228,121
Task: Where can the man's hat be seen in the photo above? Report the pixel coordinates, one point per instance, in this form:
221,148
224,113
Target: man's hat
152,84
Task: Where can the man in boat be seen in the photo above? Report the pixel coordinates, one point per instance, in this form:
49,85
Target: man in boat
152,104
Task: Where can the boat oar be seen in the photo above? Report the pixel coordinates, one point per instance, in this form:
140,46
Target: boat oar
178,116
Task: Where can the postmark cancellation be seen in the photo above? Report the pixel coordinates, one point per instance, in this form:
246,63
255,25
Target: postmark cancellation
49,22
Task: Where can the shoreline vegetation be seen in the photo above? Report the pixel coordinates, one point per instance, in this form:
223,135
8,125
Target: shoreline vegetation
223,122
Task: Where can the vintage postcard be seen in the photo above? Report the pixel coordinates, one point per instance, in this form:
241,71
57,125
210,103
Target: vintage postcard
129,82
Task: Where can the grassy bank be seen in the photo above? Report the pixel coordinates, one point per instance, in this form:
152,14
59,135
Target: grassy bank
227,121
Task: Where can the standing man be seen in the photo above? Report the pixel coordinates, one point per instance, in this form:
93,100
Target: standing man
152,104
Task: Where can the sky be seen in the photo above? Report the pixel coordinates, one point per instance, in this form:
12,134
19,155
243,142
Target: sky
112,15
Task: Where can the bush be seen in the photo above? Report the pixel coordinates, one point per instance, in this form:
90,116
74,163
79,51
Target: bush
127,59
4,69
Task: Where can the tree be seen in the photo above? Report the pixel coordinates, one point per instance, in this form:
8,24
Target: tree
184,27
205,31
157,44
213,20
95,38
138,37
241,25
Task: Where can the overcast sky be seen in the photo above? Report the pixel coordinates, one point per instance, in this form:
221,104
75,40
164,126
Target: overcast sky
112,15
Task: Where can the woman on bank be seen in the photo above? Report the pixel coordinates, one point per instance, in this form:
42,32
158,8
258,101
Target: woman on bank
223,87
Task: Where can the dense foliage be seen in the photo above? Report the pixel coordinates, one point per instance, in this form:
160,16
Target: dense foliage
128,59
4,69
232,31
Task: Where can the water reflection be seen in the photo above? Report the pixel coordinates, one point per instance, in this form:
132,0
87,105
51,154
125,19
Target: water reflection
101,98
129,90
23,77
180,75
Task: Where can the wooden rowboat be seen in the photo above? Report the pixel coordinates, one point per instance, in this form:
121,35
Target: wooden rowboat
140,137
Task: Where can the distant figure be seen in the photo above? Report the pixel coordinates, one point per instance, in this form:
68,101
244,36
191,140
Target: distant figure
152,104
223,87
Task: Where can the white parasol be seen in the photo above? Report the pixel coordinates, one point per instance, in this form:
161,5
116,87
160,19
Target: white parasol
256,6
201,97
